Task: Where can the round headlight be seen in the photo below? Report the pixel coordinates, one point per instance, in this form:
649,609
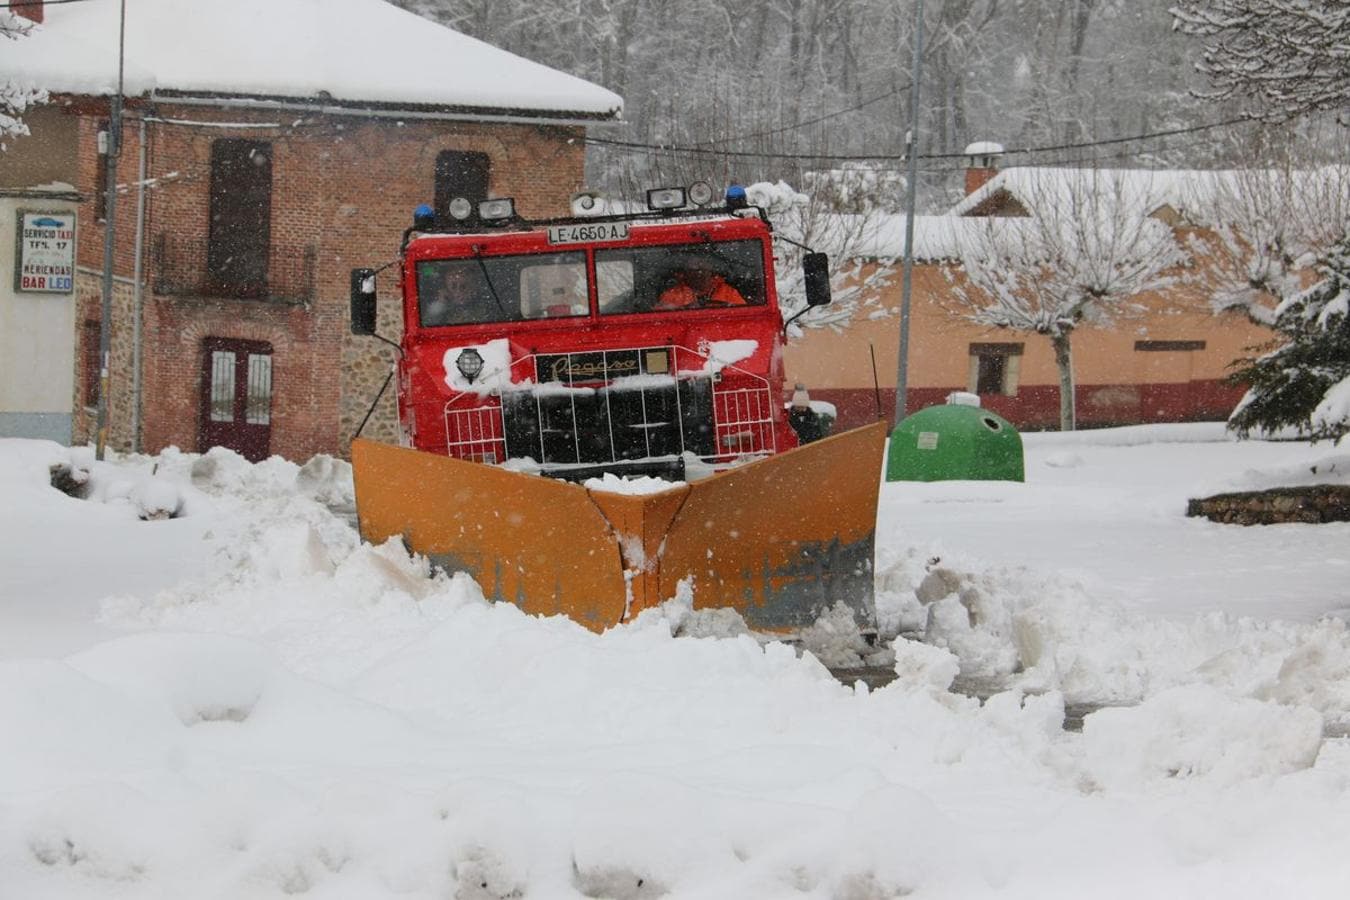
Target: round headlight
461,208
585,202
470,363
700,193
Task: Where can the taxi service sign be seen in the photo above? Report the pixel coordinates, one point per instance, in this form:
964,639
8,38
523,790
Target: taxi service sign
46,253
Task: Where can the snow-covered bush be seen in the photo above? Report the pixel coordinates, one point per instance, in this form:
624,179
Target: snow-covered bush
1305,383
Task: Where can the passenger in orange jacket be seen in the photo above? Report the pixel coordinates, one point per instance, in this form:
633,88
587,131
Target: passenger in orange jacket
698,285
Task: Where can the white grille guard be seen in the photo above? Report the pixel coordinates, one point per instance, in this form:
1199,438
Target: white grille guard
741,416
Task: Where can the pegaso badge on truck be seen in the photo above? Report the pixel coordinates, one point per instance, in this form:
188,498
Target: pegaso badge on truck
588,233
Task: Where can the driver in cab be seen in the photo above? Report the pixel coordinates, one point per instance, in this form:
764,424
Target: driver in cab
698,284
456,294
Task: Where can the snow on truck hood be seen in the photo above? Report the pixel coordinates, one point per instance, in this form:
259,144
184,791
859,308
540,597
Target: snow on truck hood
496,372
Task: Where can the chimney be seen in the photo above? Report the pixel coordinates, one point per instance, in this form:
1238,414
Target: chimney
982,159
29,9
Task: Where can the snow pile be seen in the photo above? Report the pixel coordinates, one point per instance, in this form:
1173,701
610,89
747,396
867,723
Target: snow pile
305,714
29,465
1198,732
1049,633
1137,435
617,484
1328,468
1334,409
775,198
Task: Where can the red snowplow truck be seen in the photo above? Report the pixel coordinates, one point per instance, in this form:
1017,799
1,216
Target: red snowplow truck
538,356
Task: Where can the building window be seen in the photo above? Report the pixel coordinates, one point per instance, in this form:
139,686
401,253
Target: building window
460,174
224,391
91,338
241,218
994,368
1167,346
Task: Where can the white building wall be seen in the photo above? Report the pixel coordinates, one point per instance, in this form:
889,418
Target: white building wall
37,331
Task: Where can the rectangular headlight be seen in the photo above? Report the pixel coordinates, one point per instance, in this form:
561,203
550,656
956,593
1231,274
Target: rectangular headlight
665,198
492,210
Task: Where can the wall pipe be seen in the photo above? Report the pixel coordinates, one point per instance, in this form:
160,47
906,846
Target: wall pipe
137,296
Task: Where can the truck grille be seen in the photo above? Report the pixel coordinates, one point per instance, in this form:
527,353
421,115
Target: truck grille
631,426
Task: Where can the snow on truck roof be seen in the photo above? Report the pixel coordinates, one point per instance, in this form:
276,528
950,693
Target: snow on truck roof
692,227
343,52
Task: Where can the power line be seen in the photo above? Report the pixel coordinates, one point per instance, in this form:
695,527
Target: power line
1082,145
818,119
710,151
897,157
36,3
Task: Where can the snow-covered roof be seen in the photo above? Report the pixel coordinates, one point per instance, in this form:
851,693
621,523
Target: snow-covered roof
1199,196
983,148
882,236
348,52
1145,190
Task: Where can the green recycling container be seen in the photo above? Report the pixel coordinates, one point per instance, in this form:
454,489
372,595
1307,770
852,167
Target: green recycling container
945,443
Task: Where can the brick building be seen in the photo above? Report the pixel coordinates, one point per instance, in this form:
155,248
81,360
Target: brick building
264,155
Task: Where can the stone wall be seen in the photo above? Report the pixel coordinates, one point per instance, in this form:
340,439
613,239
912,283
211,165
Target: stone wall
89,315
1319,503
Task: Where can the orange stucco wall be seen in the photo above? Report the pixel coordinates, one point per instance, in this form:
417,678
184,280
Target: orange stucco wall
1116,383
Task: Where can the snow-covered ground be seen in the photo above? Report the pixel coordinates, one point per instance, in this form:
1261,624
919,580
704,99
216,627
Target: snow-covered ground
244,701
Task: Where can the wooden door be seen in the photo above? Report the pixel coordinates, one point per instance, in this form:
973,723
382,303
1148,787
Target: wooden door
236,400
241,217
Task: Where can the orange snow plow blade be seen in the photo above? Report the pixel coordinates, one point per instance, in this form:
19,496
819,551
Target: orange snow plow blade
779,540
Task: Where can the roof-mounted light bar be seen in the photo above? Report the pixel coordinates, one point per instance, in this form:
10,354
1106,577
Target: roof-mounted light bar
587,203
460,209
665,198
497,210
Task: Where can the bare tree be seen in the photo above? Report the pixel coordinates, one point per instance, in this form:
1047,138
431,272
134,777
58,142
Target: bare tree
760,86
1268,226
1291,56
15,97
1272,228
1087,250
836,217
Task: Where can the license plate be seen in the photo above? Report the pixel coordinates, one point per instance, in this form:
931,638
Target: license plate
588,233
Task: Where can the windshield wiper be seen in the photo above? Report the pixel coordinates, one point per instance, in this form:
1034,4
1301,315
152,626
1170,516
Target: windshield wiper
492,289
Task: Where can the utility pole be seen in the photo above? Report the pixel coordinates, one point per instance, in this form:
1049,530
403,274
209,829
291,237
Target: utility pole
113,147
912,155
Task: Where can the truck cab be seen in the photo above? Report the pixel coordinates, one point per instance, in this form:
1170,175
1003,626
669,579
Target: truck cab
639,344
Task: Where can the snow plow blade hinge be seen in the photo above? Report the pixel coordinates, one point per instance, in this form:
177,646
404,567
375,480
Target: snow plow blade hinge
780,540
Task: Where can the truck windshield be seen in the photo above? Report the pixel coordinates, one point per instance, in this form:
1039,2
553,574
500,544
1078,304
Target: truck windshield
501,288
680,277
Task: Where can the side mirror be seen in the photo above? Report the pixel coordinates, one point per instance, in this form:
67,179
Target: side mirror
363,301
816,269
